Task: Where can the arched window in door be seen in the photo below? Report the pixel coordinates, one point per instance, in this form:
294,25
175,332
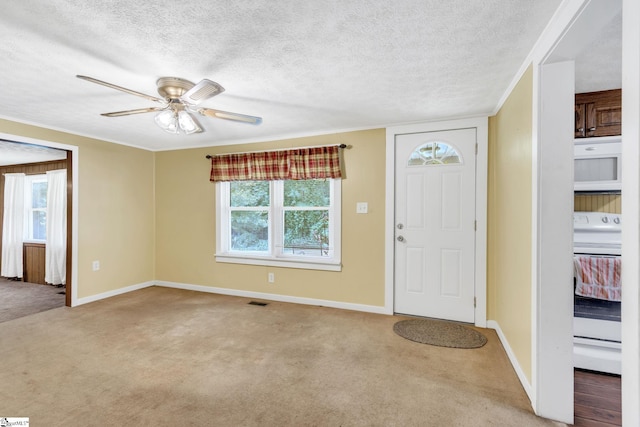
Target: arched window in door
435,153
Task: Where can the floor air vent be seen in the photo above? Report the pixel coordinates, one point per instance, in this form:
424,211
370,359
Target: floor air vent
261,304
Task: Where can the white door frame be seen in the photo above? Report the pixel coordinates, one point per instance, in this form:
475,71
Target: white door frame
552,242
631,207
481,124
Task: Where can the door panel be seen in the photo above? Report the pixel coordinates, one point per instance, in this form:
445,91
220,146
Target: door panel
451,268
415,269
451,203
415,201
435,214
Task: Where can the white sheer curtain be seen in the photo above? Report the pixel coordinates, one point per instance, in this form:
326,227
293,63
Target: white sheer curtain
56,253
13,225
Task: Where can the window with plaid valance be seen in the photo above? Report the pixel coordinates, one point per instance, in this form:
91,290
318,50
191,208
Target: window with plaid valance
294,164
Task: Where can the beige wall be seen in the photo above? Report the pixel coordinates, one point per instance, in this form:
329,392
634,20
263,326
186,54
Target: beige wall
185,225
509,217
115,209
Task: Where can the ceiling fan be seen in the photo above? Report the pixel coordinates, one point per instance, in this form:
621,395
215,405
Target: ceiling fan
179,98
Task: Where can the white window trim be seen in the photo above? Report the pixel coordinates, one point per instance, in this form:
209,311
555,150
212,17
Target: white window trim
277,259
28,209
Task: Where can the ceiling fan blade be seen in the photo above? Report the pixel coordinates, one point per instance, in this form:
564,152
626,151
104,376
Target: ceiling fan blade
226,115
123,89
129,112
205,89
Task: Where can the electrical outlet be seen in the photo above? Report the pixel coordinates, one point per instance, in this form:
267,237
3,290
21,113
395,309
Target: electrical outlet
271,278
95,265
362,207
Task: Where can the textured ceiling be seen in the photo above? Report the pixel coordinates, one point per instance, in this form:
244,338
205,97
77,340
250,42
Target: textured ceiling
599,65
14,153
305,67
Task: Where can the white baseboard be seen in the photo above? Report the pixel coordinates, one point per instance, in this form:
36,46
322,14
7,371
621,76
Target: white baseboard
113,293
275,297
235,292
492,324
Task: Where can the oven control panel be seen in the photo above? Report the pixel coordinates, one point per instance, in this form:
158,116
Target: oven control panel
596,220
597,233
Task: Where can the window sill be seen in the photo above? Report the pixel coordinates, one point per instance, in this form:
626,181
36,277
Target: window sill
34,241
306,264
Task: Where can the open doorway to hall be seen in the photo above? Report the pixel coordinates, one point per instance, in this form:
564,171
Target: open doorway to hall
584,62
35,228
597,320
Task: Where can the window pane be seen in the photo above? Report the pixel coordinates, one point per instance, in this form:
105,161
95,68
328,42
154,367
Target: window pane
249,193
434,153
39,225
310,192
39,194
250,231
306,233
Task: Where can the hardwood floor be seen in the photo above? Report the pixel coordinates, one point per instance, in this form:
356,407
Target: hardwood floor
597,399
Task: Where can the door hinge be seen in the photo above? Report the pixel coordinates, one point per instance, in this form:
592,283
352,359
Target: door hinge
476,148
475,225
474,302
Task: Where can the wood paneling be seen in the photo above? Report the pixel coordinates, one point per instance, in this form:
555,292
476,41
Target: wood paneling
34,168
608,203
33,260
598,399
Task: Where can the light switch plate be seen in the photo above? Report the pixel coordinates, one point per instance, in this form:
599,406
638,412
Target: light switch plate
362,207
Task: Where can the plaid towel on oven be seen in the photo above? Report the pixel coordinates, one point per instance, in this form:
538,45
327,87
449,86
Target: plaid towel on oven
597,277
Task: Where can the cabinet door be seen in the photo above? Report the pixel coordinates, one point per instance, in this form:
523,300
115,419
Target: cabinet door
606,121
598,113
580,121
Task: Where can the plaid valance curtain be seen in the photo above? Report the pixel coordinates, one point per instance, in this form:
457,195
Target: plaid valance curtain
298,163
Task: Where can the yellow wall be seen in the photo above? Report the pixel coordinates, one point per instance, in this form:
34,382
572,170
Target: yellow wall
509,217
185,225
115,209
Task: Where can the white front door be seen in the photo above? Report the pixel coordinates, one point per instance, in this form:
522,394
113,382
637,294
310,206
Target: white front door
435,224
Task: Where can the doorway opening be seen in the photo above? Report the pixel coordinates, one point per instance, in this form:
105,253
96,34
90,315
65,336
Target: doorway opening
46,252
568,67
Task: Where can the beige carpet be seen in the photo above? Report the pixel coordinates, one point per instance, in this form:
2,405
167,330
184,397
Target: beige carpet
19,299
168,357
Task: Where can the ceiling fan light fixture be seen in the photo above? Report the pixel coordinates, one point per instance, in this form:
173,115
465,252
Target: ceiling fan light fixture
167,120
179,98
187,124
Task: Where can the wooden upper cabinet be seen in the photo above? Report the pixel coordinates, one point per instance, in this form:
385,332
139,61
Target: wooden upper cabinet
598,113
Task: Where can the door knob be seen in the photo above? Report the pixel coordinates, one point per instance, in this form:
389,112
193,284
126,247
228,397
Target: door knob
400,239
399,226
